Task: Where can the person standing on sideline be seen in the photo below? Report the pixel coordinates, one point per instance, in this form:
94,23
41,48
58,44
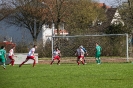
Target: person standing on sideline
3,56
30,56
56,56
11,56
98,54
80,55
85,53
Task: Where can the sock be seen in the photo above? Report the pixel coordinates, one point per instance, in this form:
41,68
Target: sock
99,61
51,62
4,65
58,61
22,63
96,60
34,63
12,62
82,62
78,62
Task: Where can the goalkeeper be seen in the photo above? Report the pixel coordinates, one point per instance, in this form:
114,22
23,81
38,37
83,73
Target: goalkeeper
98,54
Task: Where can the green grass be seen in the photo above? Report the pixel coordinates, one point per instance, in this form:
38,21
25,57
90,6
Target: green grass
106,75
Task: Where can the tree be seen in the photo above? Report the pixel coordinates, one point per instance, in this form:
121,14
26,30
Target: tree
30,14
126,12
116,29
5,10
83,14
60,11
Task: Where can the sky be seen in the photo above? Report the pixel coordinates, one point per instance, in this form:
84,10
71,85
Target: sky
112,2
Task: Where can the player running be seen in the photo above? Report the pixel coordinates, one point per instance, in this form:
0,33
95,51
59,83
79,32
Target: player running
30,56
98,53
56,56
80,55
11,56
3,56
85,53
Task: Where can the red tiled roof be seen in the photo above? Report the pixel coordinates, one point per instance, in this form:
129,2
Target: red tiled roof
61,31
104,5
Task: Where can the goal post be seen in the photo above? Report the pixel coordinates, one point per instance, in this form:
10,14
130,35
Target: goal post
113,45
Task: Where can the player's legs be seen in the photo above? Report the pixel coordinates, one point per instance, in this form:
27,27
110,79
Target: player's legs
52,62
82,59
99,60
12,60
78,60
54,58
3,62
33,58
58,58
34,61
23,62
96,57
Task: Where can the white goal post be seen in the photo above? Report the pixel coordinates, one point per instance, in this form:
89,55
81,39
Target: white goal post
112,44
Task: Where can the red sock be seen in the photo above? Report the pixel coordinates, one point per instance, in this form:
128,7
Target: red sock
51,62
12,62
22,63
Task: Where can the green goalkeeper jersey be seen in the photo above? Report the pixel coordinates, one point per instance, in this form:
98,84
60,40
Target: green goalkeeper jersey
2,53
98,49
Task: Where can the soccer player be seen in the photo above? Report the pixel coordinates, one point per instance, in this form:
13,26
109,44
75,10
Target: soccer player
98,54
3,56
11,56
80,55
30,56
56,56
85,53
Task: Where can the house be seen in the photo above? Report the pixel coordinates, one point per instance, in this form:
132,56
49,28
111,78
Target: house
112,17
47,33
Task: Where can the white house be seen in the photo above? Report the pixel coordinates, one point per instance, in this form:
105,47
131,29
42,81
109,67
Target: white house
47,33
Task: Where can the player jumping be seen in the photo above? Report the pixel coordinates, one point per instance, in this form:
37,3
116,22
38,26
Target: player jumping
30,56
56,56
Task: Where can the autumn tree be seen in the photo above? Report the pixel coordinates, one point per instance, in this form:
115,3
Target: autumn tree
32,14
84,14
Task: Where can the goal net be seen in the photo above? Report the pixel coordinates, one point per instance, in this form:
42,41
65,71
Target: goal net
113,45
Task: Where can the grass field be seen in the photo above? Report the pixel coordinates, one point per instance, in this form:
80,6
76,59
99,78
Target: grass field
106,75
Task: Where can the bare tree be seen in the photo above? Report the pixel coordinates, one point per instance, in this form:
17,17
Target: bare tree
30,14
5,10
